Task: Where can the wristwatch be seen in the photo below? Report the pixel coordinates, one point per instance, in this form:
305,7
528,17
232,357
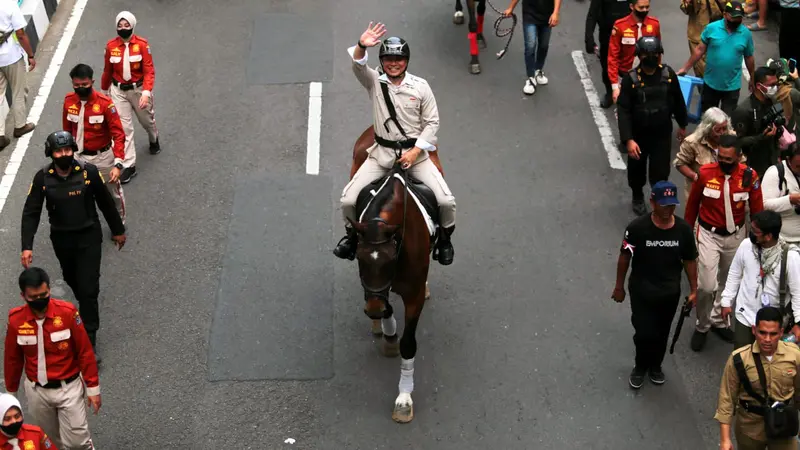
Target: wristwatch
118,166
361,45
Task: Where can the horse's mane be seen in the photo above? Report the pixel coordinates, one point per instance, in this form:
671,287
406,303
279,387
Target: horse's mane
381,200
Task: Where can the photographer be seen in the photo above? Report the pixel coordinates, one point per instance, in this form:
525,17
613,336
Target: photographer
781,190
757,122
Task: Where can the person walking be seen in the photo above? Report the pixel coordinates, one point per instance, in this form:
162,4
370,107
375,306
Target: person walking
701,13
781,190
603,13
658,246
46,341
539,17
129,76
12,68
624,36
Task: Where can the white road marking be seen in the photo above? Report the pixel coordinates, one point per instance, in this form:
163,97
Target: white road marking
314,123
606,134
39,103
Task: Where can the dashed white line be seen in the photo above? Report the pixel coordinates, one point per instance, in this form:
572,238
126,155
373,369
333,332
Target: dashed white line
314,123
606,135
40,101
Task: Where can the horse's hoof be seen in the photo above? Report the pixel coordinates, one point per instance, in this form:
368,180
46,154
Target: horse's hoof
377,330
391,349
474,69
482,42
403,413
458,18
427,291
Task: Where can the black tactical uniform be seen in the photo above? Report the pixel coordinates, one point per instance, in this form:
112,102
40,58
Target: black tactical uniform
604,13
646,105
74,224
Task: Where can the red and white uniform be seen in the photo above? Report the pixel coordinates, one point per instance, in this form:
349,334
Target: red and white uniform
30,437
140,60
622,45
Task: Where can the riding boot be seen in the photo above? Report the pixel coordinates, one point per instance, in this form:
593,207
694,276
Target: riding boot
444,248
346,248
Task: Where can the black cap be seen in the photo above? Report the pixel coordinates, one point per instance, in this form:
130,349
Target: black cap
735,9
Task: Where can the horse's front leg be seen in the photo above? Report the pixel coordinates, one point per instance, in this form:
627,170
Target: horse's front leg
458,17
474,63
403,405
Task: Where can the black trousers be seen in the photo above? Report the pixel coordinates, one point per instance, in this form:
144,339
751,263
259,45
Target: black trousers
657,149
651,317
712,97
605,36
80,266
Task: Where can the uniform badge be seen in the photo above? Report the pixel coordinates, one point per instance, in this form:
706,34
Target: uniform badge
77,318
47,443
135,65
96,108
135,47
29,445
148,50
756,185
57,322
113,109
63,345
97,126
649,28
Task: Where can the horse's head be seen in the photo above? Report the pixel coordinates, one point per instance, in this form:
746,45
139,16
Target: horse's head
377,254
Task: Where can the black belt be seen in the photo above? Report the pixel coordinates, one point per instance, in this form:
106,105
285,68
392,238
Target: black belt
95,152
397,145
718,231
127,86
751,407
58,383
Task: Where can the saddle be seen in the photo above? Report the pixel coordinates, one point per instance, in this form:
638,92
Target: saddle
422,195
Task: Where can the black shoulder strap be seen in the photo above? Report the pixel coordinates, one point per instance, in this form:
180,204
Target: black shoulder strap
761,376
665,74
390,106
782,282
782,178
739,365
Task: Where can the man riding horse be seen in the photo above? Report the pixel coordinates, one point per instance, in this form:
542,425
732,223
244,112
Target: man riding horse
406,127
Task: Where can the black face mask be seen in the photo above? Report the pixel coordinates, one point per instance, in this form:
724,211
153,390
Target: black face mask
732,25
124,34
754,239
83,92
640,14
650,62
727,168
38,305
64,162
11,430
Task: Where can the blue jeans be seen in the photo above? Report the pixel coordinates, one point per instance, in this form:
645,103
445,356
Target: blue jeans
537,42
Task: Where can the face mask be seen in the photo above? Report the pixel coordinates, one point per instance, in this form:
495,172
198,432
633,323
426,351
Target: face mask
650,62
640,14
733,25
770,91
727,168
64,162
11,430
83,92
124,34
40,304
753,238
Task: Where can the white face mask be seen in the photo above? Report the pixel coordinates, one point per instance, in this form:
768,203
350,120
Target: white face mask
770,91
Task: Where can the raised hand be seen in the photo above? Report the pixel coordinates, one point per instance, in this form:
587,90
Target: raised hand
373,35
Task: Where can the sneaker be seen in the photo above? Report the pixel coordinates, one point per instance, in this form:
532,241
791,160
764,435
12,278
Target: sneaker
638,207
636,380
530,86
698,341
657,376
127,174
155,148
540,78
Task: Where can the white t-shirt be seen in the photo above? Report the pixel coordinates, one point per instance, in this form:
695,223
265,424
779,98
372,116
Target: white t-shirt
11,19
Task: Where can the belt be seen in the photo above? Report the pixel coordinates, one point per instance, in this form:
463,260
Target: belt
718,231
95,152
55,384
397,145
127,86
751,407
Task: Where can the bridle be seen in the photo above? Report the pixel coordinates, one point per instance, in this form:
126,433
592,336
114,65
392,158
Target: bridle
503,32
383,291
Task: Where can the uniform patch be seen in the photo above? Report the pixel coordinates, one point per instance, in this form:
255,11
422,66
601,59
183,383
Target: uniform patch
148,50
135,47
57,322
77,316
627,246
46,441
113,109
73,109
649,28
26,332
116,52
29,445
135,65
757,184
96,108
63,346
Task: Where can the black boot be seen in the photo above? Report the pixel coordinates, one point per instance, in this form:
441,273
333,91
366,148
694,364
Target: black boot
155,148
607,101
93,340
638,206
346,248
444,248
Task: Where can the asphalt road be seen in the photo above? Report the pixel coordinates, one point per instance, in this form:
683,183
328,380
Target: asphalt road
227,323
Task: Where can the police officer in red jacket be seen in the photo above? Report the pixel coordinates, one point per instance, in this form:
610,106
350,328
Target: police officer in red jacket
624,35
46,342
15,434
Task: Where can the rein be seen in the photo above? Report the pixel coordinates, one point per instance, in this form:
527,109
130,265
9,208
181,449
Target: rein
503,32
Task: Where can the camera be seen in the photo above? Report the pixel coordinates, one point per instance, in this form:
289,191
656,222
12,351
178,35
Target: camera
774,116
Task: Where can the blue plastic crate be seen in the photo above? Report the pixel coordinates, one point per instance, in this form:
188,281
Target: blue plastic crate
690,87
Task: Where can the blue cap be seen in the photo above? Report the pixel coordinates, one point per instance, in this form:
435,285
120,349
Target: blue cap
665,193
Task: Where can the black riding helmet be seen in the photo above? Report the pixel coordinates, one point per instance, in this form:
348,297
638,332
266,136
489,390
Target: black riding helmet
650,45
59,139
394,46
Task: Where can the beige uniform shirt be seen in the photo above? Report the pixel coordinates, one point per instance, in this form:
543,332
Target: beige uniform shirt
414,104
701,13
695,152
782,384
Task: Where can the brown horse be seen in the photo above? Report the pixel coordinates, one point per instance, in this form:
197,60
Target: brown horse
475,27
393,253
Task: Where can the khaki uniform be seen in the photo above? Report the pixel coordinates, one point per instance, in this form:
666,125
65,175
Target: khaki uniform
127,103
418,115
701,13
105,164
15,77
782,383
716,255
695,152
